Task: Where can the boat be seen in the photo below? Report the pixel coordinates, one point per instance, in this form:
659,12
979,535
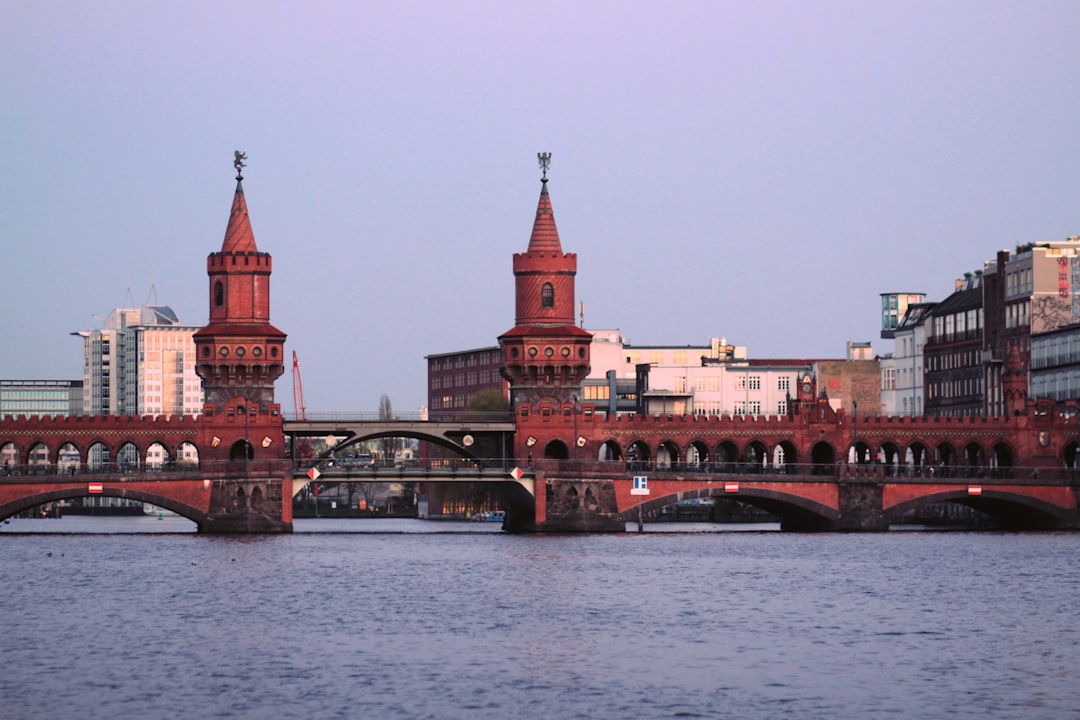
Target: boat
161,512
490,516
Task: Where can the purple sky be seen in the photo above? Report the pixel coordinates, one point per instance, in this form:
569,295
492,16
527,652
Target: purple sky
759,171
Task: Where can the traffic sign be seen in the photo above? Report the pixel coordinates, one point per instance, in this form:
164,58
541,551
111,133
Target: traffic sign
641,485
314,473
516,473
95,488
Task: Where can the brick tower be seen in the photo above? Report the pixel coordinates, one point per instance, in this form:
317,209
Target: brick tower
240,354
545,355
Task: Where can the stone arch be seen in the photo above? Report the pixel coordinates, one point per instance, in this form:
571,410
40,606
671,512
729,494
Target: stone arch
571,497
638,455
127,458
1070,457
608,451
727,454
697,456
241,450
256,497
974,459
823,456
860,453
889,457
38,459
945,459
9,458
187,455
784,454
98,457
916,458
667,455
556,450
755,456
1001,460
157,456
68,459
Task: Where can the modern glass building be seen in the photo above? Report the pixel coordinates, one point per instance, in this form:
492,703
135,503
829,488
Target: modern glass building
40,397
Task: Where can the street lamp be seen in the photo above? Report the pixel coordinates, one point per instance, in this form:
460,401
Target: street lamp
247,441
576,400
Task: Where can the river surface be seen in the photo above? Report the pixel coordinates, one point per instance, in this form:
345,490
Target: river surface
141,618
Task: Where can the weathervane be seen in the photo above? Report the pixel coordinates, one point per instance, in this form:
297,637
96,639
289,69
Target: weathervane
238,163
545,163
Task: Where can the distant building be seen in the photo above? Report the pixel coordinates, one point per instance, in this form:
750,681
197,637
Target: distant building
54,398
455,378
142,362
953,364
902,370
893,308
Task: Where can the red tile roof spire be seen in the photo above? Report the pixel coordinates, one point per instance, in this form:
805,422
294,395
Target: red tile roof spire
545,236
239,236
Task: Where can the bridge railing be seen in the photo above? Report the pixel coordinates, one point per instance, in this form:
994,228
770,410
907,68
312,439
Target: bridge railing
10,472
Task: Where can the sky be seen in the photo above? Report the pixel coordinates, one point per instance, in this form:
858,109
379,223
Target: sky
759,171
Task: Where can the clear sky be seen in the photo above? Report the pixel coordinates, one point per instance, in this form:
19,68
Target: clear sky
760,171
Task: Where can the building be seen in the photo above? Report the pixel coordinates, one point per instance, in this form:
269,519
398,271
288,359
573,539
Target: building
902,370
454,379
54,398
1054,367
141,362
893,308
954,374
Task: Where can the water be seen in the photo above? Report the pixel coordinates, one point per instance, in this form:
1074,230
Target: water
406,619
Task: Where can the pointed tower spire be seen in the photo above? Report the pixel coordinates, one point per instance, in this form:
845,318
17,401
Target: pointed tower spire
239,236
545,236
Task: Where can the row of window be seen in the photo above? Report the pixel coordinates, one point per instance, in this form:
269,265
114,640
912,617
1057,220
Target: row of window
470,379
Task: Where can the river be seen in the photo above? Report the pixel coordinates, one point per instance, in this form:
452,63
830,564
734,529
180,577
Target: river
142,618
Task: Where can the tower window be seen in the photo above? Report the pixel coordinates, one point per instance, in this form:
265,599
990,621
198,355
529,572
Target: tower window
219,294
547,296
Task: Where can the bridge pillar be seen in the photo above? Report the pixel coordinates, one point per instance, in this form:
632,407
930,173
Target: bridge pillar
861,504
250,501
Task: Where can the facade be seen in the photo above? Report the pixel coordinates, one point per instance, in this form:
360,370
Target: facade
52,398
141,362
723,389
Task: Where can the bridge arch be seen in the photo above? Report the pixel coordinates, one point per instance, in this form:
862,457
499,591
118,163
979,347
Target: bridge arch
26,502
1011,511
1001,460
794,511
639,454
974,455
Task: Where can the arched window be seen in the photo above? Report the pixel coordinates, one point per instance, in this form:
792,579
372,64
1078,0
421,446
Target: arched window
219,294
547,295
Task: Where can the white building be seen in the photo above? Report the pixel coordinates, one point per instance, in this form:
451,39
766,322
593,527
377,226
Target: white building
142,362
902,370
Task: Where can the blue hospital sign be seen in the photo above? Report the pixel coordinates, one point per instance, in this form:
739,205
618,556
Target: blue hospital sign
641,485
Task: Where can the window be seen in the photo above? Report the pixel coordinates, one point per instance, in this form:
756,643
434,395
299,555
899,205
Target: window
888,379
219,294
547,296
783,383
755,382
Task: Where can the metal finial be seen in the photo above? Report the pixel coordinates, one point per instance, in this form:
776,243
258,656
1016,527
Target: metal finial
239,164
545,163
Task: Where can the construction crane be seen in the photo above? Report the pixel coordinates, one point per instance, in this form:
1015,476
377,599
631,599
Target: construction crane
303,444
297,390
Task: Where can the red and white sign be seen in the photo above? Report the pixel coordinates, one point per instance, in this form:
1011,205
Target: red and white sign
516,473
314,473
731,487
95,488
974,489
